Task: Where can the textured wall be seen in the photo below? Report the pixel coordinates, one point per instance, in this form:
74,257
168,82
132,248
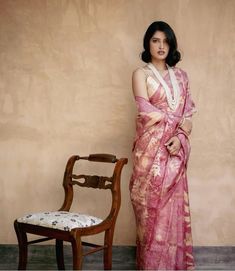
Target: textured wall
65,88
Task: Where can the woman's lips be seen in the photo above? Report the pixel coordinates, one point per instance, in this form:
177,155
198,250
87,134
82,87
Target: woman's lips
161,52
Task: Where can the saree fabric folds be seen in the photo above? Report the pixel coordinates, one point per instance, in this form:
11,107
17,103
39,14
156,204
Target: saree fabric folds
158,186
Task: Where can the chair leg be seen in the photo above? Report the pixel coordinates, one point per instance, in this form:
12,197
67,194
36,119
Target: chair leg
60,254
23,246
108,241
77,253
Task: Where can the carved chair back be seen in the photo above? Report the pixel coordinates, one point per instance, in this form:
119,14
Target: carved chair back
93,181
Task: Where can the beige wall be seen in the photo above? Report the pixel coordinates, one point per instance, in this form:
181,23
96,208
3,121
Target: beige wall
65,88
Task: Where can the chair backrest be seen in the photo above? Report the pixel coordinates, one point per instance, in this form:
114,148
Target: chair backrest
94,181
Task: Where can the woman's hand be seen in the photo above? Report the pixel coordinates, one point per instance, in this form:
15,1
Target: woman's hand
173,145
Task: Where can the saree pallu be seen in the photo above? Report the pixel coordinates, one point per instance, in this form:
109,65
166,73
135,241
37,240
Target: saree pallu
158,186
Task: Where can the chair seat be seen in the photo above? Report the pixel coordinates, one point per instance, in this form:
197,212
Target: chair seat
60,220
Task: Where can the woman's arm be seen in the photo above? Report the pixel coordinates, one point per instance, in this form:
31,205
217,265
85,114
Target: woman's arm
173,145
148,114
139,84
186,126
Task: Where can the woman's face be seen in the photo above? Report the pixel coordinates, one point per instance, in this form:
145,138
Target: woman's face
159,47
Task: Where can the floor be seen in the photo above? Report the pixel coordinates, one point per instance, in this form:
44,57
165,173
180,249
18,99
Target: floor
43,258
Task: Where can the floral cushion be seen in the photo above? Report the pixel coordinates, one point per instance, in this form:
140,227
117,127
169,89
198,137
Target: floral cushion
60,220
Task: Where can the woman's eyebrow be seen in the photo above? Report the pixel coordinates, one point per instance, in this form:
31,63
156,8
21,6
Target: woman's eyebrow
156,38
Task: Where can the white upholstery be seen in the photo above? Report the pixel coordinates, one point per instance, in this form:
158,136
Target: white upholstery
60,220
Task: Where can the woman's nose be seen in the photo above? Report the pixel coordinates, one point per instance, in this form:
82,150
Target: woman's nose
161,45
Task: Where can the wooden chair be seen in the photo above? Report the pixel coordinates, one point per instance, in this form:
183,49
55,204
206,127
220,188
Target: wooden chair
64,225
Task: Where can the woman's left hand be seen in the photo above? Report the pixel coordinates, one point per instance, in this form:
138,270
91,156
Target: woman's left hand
173,145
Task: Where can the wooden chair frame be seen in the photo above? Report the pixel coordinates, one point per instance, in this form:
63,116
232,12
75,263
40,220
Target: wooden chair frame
74,236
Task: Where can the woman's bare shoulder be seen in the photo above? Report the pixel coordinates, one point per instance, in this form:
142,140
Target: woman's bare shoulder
141,71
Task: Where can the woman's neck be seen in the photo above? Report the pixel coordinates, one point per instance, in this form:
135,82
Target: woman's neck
159,65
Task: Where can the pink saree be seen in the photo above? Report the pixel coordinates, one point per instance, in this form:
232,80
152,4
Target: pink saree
158,186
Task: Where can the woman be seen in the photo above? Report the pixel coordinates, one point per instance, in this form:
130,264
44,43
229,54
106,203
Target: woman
158,187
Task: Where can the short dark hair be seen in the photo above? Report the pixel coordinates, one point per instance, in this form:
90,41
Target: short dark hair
174,55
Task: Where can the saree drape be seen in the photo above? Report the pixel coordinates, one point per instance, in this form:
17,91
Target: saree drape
158,186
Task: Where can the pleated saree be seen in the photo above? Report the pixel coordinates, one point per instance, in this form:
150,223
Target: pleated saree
158,186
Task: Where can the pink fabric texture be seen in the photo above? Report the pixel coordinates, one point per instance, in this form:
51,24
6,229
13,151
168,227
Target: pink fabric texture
158,186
